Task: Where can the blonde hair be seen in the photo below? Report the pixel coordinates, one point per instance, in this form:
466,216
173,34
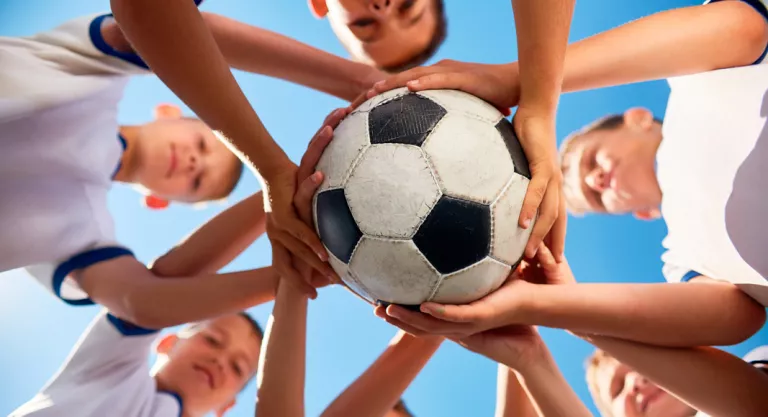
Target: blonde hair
593,364
568,147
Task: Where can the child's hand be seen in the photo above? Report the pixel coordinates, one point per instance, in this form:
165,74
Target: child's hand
496,84
514,346
544,198
301,206
507,305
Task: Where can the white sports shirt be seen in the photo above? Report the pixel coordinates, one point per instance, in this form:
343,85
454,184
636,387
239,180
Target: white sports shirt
712,167
59,148
107,374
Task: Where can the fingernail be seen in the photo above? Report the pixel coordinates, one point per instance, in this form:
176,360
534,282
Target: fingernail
322,256
316,177
378,84
526,223
414,83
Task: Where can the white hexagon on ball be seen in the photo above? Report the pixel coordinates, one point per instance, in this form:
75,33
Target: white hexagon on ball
350,138
472,282
391,190
469,157
509,239
372,102
393,271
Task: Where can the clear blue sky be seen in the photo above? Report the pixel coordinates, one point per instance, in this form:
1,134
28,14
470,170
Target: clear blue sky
344,337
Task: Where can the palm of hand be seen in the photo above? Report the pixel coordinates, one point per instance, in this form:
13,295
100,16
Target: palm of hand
517,343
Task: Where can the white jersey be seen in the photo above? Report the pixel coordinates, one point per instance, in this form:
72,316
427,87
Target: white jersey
107,374
59,148
758,357
712,170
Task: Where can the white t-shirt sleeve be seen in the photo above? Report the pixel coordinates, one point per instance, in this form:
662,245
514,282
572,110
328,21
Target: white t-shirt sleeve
110,347
60,66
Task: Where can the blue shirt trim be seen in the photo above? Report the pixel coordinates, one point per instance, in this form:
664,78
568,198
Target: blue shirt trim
689,276
127,328
100,44
760,8
177,397
80,261
124,145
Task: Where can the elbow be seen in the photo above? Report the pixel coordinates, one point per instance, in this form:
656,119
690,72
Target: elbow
746,318
749,29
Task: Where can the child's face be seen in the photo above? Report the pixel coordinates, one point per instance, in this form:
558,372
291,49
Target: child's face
381,32
612,171
209,366
181,159
627,394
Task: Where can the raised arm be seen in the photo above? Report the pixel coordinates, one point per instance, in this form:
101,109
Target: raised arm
283,355
710,380
677,42
511,398
379,388
216,243
173,39
260,51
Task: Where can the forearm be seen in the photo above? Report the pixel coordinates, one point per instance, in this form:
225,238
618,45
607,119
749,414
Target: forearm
511,398
173,39
542,37
671,43
378,389
260,51
547,389
217,242
685,314
132,293
708,379
283,356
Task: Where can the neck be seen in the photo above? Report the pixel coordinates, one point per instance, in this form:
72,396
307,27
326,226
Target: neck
129,160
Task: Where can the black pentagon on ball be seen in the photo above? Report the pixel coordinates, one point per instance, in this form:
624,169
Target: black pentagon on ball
407,119
338,229
513,146
412,307
455,234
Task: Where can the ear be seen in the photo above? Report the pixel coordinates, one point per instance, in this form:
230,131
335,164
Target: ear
648,214
167,111
155,203
318,8
638,117
223,410
166,344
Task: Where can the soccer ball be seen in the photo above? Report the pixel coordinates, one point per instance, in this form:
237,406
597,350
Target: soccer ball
421,198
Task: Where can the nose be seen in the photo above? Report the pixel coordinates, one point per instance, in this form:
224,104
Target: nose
193,164
597,180
380,7
639,383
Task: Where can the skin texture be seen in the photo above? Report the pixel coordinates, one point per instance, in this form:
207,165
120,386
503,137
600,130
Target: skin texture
382,33
209,363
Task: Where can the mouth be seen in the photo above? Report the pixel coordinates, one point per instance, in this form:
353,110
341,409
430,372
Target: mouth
172,163
206,375
650,399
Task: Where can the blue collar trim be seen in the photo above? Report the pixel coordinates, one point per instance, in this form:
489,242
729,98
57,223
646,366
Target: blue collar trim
124,145
98,41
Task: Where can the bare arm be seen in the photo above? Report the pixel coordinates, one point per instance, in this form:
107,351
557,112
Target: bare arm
283,356
260,51
671,43
685,314
132,292
511,398
217,242
173,39
542,36
379,388
708,379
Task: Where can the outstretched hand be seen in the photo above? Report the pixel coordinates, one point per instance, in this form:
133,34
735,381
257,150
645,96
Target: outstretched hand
497,84
298,270
508,305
